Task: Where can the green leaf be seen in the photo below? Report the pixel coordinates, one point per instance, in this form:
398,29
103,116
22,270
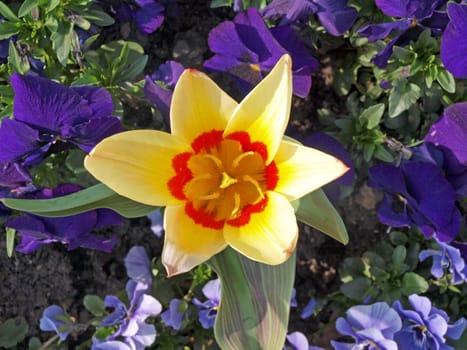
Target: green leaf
10,241
97,196
26,7
413,283
398,257
402,97
372,115
7,14
12,331
220,3
94,305
255,301
99,18
446,80
61,41
8,29
317,211
356,289
16,63
383,154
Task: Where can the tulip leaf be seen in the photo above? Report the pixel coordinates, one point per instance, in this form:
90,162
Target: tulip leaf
95,197
317,211
255,301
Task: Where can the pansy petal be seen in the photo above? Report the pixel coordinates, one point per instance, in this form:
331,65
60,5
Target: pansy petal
137,164
264,113
198,105
270,236
187,244
304,169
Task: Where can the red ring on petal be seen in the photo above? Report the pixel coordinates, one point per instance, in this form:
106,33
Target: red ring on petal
183,174
245,216
203,218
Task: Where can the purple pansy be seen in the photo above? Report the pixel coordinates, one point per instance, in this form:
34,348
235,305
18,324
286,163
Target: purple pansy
334,15
15,181
47,113
450,131
74,230
424,326
417,193
54,319
371,326
448,257
147,14
454,41
173,317
413,17
247,49
208,309
130,322
161,95
298,341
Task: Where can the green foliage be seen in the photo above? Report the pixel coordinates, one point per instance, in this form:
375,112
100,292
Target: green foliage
386,274
250,315
95,305
12,331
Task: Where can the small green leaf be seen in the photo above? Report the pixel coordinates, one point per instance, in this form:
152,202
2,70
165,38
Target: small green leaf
16,63
94,305
10,241
413,283
7,14
12,331
255,301
372,115
97,196
26,7
317,211
403,96
398,257
61,41
8,29
220,3
383,154
99,18
356,289
34,343
446,80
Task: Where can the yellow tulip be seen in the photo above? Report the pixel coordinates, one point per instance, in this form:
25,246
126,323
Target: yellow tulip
224,174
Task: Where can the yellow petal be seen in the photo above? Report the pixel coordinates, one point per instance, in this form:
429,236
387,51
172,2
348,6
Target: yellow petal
137,164
264,113
187,244
198,105
304,169
270,236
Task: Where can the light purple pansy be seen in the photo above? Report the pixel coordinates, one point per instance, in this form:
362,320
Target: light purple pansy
54,319
208,309
425,326
371,326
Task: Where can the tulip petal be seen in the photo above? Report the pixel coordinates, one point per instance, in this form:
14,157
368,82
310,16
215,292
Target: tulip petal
264,113
187,244
304,169
270,236
198,105
137,164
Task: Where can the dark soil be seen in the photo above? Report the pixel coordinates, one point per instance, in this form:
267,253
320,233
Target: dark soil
53,275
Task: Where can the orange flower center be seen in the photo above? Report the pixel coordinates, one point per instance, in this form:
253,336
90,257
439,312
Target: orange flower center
224,179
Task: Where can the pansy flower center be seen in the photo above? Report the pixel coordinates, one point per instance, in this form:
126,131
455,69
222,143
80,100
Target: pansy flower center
224,179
